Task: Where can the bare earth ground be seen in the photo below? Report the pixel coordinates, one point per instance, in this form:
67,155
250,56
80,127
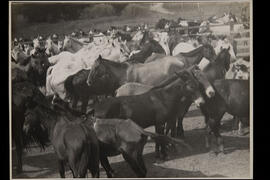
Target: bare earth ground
198,163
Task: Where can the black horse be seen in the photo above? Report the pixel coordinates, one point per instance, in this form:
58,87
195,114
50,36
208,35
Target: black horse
156,107
73,139
148,46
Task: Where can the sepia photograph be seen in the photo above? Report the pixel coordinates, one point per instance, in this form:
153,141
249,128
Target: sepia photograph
131,89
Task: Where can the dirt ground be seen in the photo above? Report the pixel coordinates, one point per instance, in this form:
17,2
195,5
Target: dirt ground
183,163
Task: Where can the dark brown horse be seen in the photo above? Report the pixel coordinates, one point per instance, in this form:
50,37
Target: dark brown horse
123,136
148,46
73,139
22,93
155,107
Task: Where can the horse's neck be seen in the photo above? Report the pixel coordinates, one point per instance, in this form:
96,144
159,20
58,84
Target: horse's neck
119,71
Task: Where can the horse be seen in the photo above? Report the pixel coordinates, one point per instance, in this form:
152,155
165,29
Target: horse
77,89
70,64
148,46
23,92
110,75
132,88
225,44
213,71
73,139
72,45
189,58
123,136
231,96
156,107
51,48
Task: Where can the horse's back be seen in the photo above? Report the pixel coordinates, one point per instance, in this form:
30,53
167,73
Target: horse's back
236,95
132,88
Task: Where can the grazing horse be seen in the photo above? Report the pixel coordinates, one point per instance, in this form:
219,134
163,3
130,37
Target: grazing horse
22,93
72,45
74,141
123,136
156,107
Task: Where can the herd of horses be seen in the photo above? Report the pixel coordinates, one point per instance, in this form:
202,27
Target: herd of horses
147,88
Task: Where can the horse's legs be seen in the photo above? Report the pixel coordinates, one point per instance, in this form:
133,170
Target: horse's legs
61,168
162,146
214,125
134,165
106,165
93,160
157,147
180,129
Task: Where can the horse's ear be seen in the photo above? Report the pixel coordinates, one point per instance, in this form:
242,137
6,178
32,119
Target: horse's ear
99,57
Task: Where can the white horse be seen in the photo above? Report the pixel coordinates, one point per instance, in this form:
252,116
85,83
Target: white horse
72,45
138,36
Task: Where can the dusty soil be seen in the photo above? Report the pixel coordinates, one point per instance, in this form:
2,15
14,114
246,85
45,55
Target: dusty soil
198,163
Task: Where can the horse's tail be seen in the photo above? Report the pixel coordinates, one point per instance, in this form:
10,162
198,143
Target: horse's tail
166,140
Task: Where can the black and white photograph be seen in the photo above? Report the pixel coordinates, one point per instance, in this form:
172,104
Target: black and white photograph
131,89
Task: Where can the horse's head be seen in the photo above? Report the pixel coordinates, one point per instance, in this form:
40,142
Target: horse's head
224,57
191,86
98,72
204,82
60,45
39,64
209,52
36,43
124,51
67,43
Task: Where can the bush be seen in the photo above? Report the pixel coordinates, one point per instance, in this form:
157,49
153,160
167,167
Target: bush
99,10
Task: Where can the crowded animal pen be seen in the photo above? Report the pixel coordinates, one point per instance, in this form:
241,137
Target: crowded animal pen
168,97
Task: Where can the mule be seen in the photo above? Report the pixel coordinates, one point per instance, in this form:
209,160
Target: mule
123,136
74,140
155,107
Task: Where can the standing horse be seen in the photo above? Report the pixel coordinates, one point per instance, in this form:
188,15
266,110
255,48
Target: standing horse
149,46
190,58
22,93
156,107
74,141
214,70
123,136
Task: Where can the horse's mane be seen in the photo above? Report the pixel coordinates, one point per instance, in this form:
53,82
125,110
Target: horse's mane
112,63
193,52
166,82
